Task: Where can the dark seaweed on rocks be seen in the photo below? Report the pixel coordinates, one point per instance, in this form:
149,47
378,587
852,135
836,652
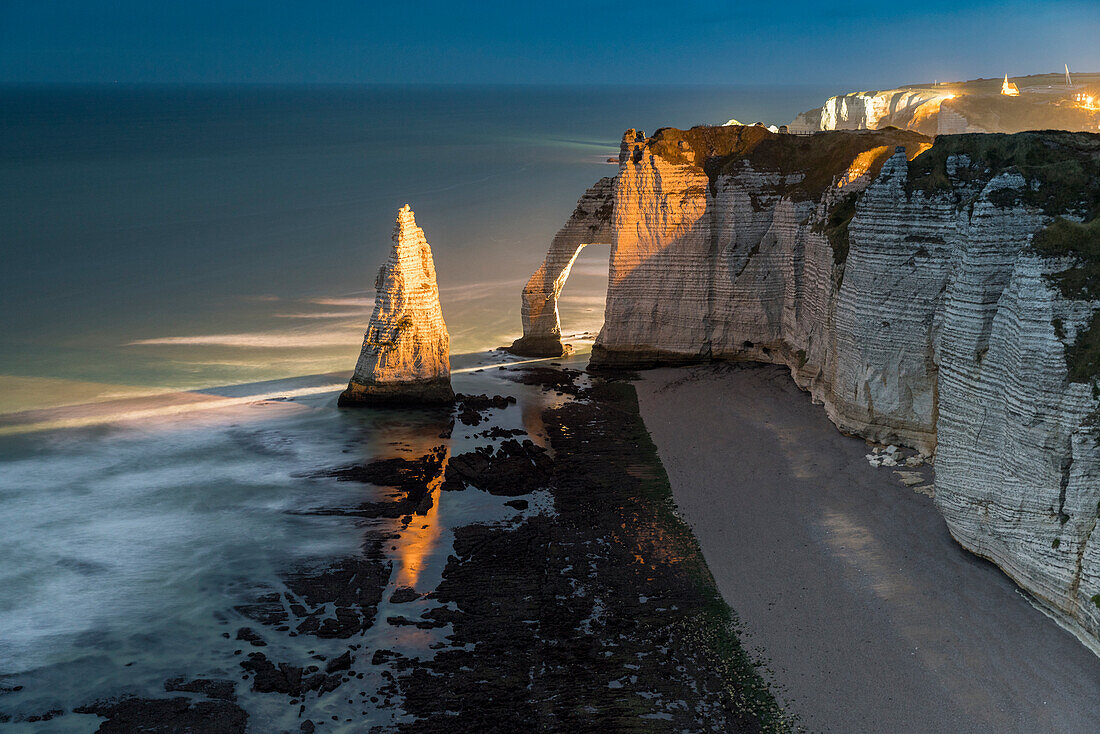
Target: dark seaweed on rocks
217,688
167,716
601,617
337,600
406,474
514,469
471,407
410,476
561,380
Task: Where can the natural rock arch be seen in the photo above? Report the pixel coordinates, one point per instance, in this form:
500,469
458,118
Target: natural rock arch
589,225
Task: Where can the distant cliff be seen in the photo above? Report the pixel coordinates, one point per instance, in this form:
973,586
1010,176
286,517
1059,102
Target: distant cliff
1045,101
943,297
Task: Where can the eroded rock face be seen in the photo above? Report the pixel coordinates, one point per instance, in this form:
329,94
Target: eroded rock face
903,291
873,110
405,356
589,225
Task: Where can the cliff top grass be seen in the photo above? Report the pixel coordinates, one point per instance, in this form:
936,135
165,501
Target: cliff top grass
820,157
1018,114
1063,168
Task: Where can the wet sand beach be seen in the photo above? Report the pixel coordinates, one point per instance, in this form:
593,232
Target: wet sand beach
873,618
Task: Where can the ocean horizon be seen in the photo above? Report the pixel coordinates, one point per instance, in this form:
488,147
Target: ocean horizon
168,237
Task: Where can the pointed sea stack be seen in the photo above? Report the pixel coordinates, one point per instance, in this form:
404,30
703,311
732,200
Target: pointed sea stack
405,359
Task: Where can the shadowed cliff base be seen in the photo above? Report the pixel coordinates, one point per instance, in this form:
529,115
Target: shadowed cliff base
398,394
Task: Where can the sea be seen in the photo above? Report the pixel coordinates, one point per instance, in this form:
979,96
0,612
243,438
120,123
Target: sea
185,277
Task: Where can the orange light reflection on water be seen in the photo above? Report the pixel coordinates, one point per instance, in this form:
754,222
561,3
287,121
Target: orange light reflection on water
418,540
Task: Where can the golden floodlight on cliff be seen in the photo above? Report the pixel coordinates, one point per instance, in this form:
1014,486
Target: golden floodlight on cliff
862,163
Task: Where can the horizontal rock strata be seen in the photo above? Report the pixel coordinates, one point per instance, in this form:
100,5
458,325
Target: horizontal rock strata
900,284
589,225
405,355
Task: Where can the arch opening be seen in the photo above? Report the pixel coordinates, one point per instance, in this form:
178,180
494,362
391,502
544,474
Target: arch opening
590,224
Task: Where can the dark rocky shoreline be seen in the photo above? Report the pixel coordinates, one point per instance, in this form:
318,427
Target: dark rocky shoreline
597,614
603,617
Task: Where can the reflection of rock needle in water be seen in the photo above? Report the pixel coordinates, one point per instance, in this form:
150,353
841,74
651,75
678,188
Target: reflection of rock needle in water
416,543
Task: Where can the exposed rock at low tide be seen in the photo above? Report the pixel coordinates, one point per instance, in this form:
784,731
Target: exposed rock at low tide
167,716
514,469
405,356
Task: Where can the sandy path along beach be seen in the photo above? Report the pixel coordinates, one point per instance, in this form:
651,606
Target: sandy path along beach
873,618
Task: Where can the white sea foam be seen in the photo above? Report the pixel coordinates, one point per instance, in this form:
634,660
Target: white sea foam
108,532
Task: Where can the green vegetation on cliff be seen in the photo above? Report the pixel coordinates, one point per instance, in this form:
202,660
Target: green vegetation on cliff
1083,356
1079,241
1062,174
1061,168
835,226
809,164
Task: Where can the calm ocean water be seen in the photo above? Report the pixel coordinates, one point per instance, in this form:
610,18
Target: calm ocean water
168,240
178,238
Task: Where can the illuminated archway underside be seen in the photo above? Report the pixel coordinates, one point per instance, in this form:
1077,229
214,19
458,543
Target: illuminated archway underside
589,225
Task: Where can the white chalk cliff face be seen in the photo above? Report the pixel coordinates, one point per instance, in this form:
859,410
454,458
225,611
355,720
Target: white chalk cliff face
405,356
589,225
1046,103
900,286
871,110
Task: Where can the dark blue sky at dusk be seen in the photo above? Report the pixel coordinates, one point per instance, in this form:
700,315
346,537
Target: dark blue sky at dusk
855,43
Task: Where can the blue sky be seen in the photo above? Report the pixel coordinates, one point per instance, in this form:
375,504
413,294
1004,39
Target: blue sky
854,44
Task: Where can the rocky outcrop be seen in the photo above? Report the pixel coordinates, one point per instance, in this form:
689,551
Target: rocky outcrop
902,285
405,356
589,225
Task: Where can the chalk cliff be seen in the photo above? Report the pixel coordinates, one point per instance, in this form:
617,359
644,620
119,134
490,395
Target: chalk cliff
590,224
1045,102
405,356
905,108
941,297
